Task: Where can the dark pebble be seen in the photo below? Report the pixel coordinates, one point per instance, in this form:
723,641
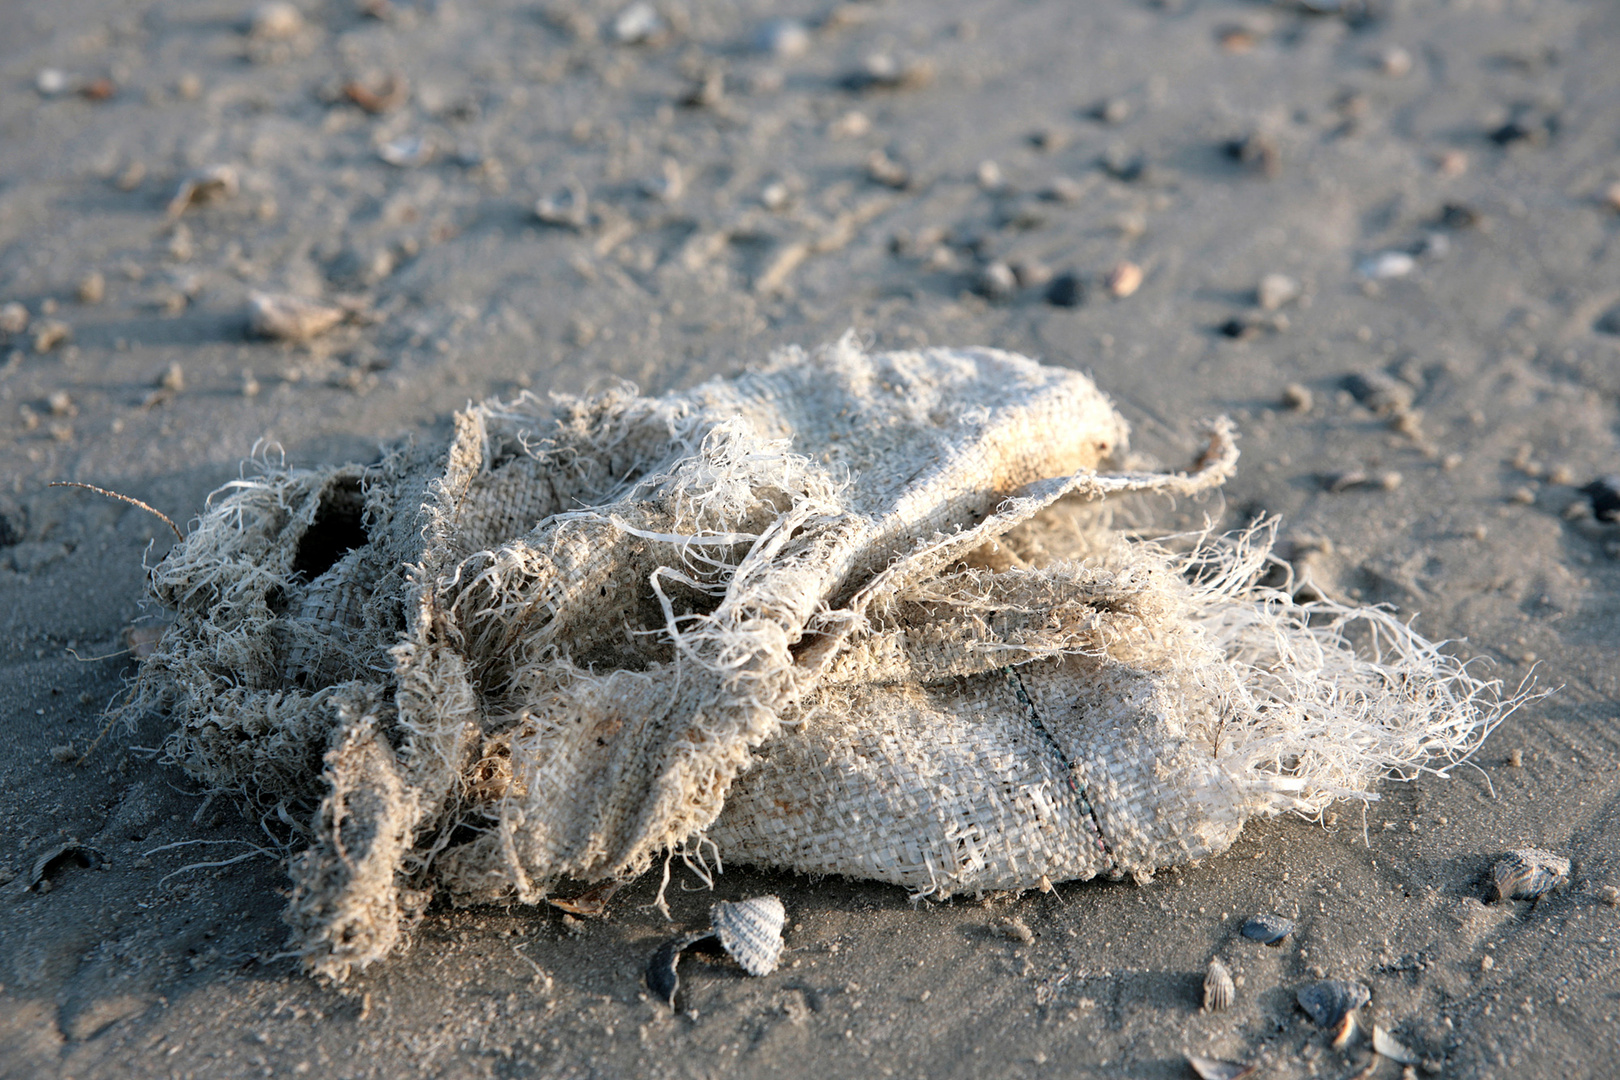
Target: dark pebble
1459,216
1268,929
1604,493
1066,290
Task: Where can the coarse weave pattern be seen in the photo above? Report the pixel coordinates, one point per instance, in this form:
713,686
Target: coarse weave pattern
846,613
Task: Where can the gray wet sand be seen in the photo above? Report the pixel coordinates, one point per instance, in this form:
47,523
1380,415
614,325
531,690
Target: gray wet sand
801,193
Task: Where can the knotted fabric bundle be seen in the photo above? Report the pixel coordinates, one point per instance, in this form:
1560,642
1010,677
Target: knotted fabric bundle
847,613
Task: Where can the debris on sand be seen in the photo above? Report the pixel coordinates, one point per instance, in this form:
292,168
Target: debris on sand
1527,874
750,931
215,183
445,632
1207,1068
1219,989
291,318
1268,929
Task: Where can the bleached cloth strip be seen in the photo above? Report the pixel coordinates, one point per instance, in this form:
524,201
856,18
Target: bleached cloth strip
846,613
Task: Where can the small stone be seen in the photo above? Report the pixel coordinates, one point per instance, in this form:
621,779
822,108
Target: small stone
174,379
250,385
1389,480
996,281
851,125
883,71
188,87
50,333
212,184
61,404
1452,164
1604,495
1297,398
51,82
1379,391
638,24
1515,758
1561,474
786,38
92,288
1523,496
1066,290
1479,532
291,318
1064,189
1114,110
1030,273
1609,895
275,21
882,169
775,196
1386,265
1013,929
13,318
569,208
1123,280
130,178
1258,151
1395,62
1275,290
989,176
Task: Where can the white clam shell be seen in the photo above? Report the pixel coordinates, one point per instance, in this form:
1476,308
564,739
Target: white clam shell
751,932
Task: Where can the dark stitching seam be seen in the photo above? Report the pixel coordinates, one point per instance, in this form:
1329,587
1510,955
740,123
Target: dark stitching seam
1075,786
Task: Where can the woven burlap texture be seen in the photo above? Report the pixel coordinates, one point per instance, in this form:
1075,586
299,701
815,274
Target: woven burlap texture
846,613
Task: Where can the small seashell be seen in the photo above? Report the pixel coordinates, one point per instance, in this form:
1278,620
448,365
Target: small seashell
1216,1069
290,318
1268,929
882,71
1297,398
638,24
92,288
1528,874
1379,391
51,82
13,318
406,153
59,857
1331,1001
1013,929
1386,264
1387,1045
751,932
996,281
569,208
786,38
275,21
1275,290
212,184
1219,991
1123,280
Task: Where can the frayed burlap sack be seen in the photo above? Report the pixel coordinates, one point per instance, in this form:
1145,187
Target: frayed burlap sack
846,613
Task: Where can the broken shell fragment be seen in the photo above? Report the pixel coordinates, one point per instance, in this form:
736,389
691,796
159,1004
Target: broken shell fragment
1389,1046
1216,1069
569,208
1219,990
751,932
1528,874
290,318
662,977
1331,1001
1268,929
215,183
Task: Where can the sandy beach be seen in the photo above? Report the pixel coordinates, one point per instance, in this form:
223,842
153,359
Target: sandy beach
1383,236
